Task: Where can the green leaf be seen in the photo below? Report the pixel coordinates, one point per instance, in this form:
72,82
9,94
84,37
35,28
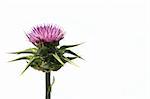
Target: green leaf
68,46
22,58
29,51
53,81
71,58
43,51
50,87
71,52
69,61
55,67
28,65
58,58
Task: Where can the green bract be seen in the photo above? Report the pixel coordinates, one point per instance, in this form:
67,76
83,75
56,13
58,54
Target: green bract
47,57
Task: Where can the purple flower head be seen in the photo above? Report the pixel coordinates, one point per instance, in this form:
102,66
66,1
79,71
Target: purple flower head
45,34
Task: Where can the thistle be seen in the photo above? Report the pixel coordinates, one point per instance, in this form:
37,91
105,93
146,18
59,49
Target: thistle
47,55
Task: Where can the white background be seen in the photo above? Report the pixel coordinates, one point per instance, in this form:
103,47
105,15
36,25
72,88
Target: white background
117,48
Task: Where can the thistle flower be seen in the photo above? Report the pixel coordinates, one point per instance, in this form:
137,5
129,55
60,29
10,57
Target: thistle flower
47,56
45,34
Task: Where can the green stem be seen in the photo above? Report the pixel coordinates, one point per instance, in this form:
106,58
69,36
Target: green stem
48,84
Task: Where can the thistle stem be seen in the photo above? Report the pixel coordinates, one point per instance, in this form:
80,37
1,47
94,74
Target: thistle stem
48,85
